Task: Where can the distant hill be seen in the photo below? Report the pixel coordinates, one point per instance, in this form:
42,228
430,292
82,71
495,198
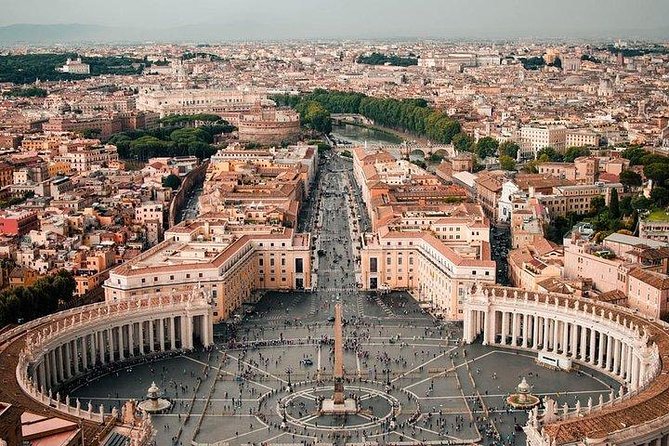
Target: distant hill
34,34
234,29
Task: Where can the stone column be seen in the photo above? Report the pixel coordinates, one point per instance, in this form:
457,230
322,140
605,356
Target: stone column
59,364
556,335
629,361
565,338
110,344
635,372
492,326
526,327
600,353
210,327
624,361
466,326
514,329
120,342
41,375
161,334
535,332
591,358
131,339
616,357
48,371
140,337
187,336
54,368
104,346
101,345
486,327
93,346
76,357
67,366
505,326
173,342
84,352
152,340
544,339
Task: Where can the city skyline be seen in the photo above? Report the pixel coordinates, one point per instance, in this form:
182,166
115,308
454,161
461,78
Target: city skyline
291,19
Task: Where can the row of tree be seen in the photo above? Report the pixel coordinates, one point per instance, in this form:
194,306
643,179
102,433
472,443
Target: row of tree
393,59
27,68
655,168
28,92
412,115
168,141
47,295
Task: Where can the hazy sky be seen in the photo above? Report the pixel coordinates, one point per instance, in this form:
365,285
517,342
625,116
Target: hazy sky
360,18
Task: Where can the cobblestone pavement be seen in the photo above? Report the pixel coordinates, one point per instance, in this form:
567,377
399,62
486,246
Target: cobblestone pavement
414,381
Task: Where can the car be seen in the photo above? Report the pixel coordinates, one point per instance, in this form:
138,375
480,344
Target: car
307,362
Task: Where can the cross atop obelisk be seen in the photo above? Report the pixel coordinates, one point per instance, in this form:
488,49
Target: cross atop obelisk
338,372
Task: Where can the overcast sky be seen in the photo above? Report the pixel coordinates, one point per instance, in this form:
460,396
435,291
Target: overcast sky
360,18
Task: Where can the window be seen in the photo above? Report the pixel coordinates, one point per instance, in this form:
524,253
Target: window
171,277
271,262
260,261
299,265
373,266
389,261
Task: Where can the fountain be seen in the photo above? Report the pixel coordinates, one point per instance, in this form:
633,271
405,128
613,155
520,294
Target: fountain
522,399
153,403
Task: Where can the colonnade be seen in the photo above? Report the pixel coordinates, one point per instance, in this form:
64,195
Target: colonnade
580,339
597,335
114,343
63,346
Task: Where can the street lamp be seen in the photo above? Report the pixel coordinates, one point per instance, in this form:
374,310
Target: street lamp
289,388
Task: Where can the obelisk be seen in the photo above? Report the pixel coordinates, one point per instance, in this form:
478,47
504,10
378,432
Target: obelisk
338,372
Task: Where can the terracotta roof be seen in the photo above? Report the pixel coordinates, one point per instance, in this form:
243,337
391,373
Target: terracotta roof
656,280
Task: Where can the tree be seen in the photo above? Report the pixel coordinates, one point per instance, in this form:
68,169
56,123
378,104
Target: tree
550,155
634,154
659,196
531,166
507,163
486,147
91,133
630,178
463,142
172,181
614,205
509,148
574,152
597,205
658,172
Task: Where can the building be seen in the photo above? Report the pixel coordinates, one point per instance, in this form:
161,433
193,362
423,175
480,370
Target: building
534,138
436,274
229,104
75,66
269,126
655,226
18,223
648,292
582,138
228,264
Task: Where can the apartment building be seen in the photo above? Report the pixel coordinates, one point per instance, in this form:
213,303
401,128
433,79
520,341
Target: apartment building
436,274
534,138
228,266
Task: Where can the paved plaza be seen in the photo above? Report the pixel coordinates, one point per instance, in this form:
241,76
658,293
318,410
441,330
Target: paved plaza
412,378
